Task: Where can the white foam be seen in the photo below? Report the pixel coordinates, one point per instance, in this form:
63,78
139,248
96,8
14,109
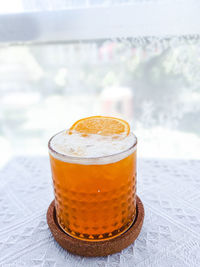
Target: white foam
92,149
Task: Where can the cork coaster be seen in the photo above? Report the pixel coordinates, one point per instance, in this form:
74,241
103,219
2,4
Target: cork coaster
98,248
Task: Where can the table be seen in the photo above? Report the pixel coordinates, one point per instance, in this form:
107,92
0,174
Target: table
170,235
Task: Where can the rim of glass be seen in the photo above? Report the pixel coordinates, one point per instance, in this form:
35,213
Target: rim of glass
74,158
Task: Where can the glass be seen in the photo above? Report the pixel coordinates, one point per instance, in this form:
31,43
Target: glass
95,198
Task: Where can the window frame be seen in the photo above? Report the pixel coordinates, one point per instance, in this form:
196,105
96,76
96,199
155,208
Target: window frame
83,24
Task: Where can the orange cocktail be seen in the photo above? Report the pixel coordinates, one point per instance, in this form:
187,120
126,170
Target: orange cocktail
95,197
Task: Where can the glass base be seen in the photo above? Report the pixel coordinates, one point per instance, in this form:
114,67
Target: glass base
99,237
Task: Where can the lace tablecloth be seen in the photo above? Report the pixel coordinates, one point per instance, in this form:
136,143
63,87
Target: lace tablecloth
170,236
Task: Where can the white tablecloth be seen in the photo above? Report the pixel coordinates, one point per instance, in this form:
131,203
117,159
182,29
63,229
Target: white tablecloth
170,236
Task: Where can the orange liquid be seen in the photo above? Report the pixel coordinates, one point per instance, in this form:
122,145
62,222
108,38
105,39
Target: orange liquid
95,202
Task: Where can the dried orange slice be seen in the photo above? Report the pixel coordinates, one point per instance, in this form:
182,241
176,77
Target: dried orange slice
101,125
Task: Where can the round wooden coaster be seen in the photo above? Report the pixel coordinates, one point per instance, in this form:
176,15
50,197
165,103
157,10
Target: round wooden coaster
98,248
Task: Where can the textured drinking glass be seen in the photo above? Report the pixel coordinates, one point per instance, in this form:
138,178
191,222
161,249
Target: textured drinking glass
95,198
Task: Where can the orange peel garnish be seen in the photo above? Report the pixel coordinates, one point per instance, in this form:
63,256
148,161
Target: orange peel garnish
106,126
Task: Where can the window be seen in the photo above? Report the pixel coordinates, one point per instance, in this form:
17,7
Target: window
47,84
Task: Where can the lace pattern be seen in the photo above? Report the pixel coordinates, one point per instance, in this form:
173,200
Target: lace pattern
170,235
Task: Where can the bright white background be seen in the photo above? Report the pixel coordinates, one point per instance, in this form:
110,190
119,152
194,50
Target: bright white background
153,82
